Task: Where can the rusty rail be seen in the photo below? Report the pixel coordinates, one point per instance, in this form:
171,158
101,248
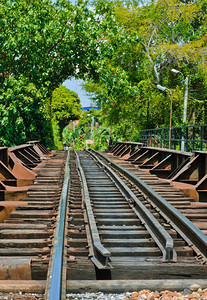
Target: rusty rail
100,256
183,226
54,285
159,234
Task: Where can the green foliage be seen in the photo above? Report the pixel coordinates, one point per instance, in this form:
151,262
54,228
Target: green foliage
121,48
19,100
64,107
92,127
56,135
45,43
152,39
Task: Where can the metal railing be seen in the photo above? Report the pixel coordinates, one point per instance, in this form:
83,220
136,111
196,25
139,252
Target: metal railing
184,138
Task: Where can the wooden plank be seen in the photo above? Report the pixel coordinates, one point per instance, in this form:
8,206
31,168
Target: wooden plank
31,243
119,286
24,252
23,233
134,251
26,286
13,203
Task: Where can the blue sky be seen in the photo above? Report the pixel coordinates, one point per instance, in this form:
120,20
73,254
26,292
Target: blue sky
75,85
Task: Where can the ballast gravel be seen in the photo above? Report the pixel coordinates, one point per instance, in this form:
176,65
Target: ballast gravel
144,295
186,294
21,296
98,296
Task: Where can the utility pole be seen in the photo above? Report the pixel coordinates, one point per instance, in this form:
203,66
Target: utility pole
163,88
185,104
185,100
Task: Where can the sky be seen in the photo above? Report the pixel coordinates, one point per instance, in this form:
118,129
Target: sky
75,85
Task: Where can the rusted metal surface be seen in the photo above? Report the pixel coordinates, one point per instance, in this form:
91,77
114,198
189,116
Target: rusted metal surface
125,148
25,155
37,154
126,237
159,234
193,176
194,211
79,266
191,233
54,278
186,171
100,256
15,175
162,162
23,175
28,230
39,147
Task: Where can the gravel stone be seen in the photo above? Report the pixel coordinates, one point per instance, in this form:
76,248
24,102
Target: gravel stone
186,294
98,296
187,291
194,287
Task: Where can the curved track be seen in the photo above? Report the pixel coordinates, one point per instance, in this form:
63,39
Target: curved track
125,235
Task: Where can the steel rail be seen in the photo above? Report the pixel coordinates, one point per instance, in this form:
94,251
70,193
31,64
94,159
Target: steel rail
158,233
54,288
100,254
193,235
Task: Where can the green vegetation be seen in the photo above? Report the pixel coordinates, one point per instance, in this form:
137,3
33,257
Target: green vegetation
23,116
122,49
92,127
159,36
64,107
43,43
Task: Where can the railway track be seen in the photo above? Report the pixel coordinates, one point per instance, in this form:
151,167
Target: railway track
124,234
26,236
196,212
104,226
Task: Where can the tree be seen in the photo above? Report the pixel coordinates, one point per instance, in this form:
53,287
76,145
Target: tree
19,100
158,36
120,47
45,43
64,107
172,35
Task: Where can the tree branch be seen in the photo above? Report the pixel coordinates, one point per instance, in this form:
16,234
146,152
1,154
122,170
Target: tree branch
150,59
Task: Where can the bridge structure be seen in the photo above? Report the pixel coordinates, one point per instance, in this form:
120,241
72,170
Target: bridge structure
131,217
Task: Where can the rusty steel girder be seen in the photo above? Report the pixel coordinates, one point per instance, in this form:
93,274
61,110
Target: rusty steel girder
124,149
186,171
39,148
18,168
193,177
